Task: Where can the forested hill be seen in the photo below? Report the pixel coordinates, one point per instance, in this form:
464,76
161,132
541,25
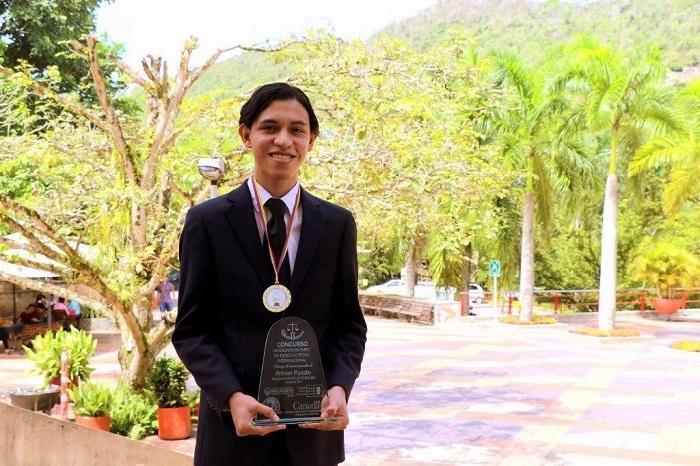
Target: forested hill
527,26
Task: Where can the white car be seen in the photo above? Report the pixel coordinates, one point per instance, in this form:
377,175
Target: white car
394,286
423,289
476,293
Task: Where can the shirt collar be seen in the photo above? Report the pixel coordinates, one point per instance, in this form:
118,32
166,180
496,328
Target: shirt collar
289,199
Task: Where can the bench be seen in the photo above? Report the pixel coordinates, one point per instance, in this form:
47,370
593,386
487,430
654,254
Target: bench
398,307
17,340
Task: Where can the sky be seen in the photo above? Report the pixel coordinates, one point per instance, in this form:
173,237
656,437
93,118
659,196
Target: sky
160,27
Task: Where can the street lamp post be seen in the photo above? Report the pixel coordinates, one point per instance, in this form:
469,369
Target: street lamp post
212,168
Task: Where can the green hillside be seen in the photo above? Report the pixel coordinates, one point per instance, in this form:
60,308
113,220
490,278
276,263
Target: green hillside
531,26
241,73
527,26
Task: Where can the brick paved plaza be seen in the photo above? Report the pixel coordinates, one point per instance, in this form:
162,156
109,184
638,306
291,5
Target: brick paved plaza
470,392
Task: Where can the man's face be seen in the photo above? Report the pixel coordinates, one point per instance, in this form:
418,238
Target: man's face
280,138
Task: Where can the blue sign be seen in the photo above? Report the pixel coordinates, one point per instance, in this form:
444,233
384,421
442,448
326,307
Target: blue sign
495,268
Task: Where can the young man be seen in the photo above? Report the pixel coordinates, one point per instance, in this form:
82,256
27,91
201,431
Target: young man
226,266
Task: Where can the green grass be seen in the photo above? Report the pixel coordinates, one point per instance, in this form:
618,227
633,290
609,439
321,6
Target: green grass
596,332
515,320
687,345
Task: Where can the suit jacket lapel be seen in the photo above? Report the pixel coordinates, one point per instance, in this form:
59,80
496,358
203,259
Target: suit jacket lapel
241,218
311,229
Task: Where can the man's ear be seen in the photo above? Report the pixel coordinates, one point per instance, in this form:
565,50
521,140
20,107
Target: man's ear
312,140
244,132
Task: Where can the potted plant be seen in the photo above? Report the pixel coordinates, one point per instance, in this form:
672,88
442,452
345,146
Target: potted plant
92,403
166,383
45,353
666,266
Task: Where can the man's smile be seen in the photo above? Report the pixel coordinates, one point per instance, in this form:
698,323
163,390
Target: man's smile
282,156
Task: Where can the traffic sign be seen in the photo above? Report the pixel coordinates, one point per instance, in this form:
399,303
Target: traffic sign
495,268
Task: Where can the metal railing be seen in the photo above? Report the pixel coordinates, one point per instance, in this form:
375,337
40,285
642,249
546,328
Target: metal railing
586,300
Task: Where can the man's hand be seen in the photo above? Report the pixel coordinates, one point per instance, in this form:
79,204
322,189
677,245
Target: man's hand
244,408
334,411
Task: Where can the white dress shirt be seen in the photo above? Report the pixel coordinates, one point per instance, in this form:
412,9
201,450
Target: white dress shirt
289,200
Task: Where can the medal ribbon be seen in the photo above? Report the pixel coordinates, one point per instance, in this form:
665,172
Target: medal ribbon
276,262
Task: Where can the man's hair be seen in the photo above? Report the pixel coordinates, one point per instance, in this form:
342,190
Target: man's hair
264,95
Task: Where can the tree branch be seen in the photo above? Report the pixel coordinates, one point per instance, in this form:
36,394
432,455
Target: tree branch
72,107
50,288
26,262
115,129
123,67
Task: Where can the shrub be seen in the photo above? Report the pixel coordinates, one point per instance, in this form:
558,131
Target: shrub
133,414
166,383
687,345
666,266
515,320
45,353
91,399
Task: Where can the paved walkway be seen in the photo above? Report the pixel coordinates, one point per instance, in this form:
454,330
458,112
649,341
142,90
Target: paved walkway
470,392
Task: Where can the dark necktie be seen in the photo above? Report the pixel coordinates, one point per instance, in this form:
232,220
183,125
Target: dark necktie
277,233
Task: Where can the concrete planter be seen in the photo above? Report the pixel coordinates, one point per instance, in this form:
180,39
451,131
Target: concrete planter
28,438
98,324
668,306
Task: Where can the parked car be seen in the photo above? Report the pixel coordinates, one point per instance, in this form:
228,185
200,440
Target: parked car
476,293
423,289
395,286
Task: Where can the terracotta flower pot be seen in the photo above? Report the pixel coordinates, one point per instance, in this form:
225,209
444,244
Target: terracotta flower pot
668,306
99,423
174,423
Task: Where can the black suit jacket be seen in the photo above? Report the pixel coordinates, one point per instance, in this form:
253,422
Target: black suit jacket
222,324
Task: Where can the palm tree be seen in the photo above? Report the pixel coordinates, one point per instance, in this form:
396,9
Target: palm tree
549,156
622,99
679,149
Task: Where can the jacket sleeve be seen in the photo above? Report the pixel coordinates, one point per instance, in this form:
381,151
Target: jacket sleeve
194,337
349,328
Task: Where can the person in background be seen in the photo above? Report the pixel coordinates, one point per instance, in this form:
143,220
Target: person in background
165,297
35,312
58,309
5,333
75,311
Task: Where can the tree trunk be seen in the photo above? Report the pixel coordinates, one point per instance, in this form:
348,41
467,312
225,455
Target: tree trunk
135,364
467,273
410,278
527,259
608,257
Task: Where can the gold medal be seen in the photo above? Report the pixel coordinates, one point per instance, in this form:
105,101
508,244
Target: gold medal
277,298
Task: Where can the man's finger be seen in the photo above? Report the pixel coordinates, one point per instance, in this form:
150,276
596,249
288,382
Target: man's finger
329,412
267,412
334,423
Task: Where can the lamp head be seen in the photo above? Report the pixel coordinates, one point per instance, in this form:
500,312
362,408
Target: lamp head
211,168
